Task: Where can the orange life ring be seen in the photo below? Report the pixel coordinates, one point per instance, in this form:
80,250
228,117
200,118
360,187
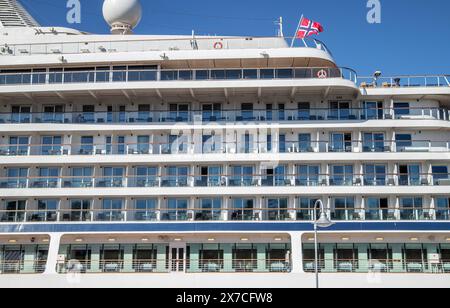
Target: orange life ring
218,45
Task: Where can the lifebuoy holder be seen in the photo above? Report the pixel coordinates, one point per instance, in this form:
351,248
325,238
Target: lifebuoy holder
218,45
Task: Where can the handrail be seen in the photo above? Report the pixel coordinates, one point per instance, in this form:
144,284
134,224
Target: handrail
446,77
212,112
191,142
298,214
408,76
227,115
400,81
139,75
69,70
165,265
22,266
229,175
192,145
69,210
156,44
372,265
221,180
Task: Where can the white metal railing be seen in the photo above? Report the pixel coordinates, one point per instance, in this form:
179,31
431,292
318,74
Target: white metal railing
231,115
112,75
191,145
157,44
378,266
405,81
225,180
219,214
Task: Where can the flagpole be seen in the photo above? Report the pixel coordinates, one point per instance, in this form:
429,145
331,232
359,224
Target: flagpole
296,32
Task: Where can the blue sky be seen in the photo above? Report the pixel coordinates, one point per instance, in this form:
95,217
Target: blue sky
413,37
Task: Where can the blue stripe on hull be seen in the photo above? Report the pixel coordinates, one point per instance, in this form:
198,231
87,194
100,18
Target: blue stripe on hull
218,227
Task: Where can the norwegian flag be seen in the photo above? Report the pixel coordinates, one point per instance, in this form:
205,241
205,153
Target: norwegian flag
308,27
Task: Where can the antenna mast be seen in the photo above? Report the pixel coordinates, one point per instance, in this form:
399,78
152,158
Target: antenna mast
279,23
194,43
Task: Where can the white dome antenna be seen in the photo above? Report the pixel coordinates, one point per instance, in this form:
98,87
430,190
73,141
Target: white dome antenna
122,15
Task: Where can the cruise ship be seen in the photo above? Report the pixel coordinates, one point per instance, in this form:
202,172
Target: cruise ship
205,161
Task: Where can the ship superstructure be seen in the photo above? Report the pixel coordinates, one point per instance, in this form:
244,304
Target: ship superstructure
13,15
135,160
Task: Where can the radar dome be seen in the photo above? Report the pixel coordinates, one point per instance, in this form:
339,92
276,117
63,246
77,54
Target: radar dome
122,15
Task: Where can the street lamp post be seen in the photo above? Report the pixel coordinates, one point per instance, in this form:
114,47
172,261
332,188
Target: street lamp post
322,222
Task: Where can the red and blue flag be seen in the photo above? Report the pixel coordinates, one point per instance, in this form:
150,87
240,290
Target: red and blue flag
308,28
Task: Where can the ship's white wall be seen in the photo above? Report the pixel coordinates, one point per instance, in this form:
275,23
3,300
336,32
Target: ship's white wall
209,280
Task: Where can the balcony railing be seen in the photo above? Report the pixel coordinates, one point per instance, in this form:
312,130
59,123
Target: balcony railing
254,214
192,44
162,266
378,266
113,266
9,267
406,81
227,116
239,265
222,147
146,75
225,180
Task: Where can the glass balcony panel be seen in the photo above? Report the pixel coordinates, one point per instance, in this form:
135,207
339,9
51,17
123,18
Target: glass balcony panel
267,73
250,74
110,216
218,74
234,74
284,73
81,182
144,215
169,75
21,118
202,75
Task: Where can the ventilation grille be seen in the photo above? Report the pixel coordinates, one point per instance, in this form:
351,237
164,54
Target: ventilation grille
13,14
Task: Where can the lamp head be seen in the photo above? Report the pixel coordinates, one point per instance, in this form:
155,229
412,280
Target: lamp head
377,74
323,221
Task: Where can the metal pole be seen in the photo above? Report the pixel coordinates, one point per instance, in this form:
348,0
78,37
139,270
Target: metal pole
445,78
296,32
281,27
316,253
316,244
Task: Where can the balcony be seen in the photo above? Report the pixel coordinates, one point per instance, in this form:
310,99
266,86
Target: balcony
225,180
226,116
221,147
115,215
381,214
240,265
162,266
115,75
11,267
42,216
406,81
381,266
113,266
158,45
199,215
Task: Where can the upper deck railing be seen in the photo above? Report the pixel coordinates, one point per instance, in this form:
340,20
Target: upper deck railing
113,74
405,81
119,74
228,115
219,146
116,45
